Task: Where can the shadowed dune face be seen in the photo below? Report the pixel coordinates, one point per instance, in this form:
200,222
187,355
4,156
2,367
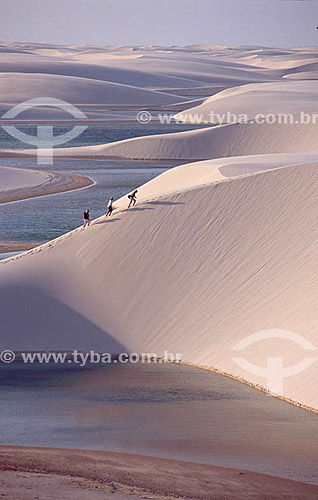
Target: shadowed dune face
206,143
34,320
17,87
192,272
203,261
143,79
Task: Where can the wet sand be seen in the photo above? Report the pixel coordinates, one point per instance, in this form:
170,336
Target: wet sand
26,473
59,183
15,246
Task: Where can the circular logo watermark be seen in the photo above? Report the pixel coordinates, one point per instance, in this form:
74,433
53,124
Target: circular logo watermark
275,372
44,140
144,117
7,356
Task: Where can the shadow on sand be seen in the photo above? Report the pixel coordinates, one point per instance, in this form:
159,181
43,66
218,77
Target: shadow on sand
35,320
164,203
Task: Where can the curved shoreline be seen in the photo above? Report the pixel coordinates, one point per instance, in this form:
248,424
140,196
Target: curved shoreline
101,157
59,183
16,246
133,474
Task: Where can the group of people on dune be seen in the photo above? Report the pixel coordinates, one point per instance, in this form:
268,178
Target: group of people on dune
132,202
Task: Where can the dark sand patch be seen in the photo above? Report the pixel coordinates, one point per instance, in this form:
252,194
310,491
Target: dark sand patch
142,477
58,183
16,246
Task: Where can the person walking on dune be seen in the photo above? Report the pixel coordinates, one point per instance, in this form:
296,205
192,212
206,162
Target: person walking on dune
133,198
86,218
110,206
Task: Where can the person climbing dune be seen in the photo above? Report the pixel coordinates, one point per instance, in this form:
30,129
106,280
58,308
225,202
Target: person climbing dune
110,207
86,218
133,198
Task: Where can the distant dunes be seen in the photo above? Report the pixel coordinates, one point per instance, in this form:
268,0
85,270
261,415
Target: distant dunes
215,251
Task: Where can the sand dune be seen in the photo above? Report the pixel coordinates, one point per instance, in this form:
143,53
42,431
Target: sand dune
215,251
273,58
17,87
305,75
13,178
206,71
18,183
200,173
209,267
310,65
251,100
63,66
144,67
290,97
205,143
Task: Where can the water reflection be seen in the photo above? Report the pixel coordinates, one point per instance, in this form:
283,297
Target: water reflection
160,410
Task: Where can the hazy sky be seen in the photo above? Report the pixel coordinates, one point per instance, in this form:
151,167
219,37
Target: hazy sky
161,22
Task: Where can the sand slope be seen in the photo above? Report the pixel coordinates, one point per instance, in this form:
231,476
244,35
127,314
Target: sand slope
17,87
19,184
266,98
191,271
34,64
215,251
211,142
13,178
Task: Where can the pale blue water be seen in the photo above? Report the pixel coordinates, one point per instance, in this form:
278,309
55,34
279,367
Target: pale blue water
97,133
162,410
159,410
47,217
8,254
41,219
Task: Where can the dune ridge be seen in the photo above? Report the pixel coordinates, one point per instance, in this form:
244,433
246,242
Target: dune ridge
193,247
215,251
202,144
262,98
15,87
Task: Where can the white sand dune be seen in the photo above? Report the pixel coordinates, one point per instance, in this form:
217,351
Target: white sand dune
193,269
17,178
310,65
211,142
207,71
19,183
204,172
272,58
251,100
24,63
204,91
303,75
17,87
289,97
215,251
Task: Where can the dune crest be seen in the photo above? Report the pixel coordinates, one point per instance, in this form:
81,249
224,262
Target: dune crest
211,265
217,253
203,144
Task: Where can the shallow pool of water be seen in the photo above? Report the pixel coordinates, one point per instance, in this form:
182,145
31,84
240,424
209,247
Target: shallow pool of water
47,217
98,133
167,410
